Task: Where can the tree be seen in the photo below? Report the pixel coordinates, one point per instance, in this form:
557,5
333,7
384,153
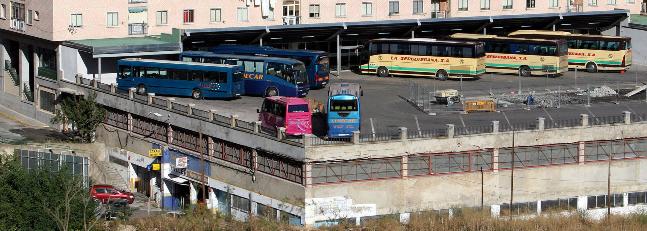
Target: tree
43,199
83,116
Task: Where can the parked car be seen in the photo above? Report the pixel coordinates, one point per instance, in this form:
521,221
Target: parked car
107,193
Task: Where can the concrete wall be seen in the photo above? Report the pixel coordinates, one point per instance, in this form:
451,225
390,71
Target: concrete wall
474,142
464,190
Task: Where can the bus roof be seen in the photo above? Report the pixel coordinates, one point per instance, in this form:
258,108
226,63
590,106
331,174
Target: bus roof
353,89
158,61
247,57
424,40
494,37
287,100
541,33
267,49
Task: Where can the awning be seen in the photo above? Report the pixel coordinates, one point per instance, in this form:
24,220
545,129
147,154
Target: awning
178,180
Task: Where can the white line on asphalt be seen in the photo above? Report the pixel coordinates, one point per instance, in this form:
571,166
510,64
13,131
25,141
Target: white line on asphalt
591,113
548,114
506,118
461,117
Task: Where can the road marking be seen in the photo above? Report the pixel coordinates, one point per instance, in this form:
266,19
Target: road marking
506,119
591,113
461,117
548,114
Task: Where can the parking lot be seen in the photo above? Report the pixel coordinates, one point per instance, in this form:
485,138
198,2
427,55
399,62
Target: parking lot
384,104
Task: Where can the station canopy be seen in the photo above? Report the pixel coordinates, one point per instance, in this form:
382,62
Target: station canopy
431,27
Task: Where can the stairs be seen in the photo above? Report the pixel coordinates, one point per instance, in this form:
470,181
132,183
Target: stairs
12,72
112,176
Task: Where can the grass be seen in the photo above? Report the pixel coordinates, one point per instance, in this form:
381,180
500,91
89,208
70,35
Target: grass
203,219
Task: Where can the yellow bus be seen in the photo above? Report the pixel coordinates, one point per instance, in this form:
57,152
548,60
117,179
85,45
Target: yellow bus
589,52
425,57
521,56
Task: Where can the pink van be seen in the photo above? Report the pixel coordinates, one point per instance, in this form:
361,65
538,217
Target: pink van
289,112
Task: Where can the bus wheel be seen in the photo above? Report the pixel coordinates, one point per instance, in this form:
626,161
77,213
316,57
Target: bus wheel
591,67
524,71
271,92
441,75
196,94
382,72
141,89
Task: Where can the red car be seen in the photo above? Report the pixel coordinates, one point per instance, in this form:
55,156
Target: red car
106,193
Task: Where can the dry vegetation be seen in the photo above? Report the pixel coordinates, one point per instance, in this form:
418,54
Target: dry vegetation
466,220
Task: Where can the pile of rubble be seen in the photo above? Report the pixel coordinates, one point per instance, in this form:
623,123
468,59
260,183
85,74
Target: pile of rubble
541,100
603,91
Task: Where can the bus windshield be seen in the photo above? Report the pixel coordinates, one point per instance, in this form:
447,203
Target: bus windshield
324,63
298,108
237,76
299,73
343,105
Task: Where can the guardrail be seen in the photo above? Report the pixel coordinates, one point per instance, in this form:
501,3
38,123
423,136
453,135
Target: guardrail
189,110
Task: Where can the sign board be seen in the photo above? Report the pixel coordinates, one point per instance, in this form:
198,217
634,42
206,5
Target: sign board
155,152
181,162
155,167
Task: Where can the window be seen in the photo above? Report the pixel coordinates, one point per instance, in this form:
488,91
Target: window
418,7
530,4
367,8
553,3
593,2
340,10
485,4
77,20
47,101
507,4
394,7
462,5
216,15
113,19
240,203
30,17
314,10
188,16
17,11
162,17
3,11
611,2
216,77
630,1
298,108
36,15
242,14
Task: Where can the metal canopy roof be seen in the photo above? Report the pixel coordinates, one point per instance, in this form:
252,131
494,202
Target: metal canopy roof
595,20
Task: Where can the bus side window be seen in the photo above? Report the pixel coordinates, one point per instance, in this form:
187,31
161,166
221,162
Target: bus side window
151,72
124,72
215,77
385,48
163,74
187,59
467,52
393,48
179,75
259,67
250,67
266,106
196,75
373,49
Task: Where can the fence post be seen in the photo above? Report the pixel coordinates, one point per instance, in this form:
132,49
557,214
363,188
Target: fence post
355,137
190,108
94,83
150,98
308,140
541,123
131,93
403,133
308,174
585,119
495,159
233,121
78,78
169,103
257,126
113,88
130,122
211,113
450,131
627,117
281,133
404,167
495,126
581,146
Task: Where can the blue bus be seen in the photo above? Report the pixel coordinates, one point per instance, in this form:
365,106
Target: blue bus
263,76
343,109
317,62
163,77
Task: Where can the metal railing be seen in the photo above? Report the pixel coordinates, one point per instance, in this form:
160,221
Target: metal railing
137,28
18,25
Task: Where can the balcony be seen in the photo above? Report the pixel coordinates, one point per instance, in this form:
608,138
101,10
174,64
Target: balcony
291,20
439,14
137,29
18,25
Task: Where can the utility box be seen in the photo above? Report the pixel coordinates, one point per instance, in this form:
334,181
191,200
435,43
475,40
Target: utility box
479,106
447,96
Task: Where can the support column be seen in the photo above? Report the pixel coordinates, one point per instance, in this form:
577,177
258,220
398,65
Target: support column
99,69
193,192
484,30
338,55
22,71
618,29
403,133
37,96
495,126
627,115
580,152
308,174
213,200
495,160
405,166
541,123
413,34
585,120
450,131
132,177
